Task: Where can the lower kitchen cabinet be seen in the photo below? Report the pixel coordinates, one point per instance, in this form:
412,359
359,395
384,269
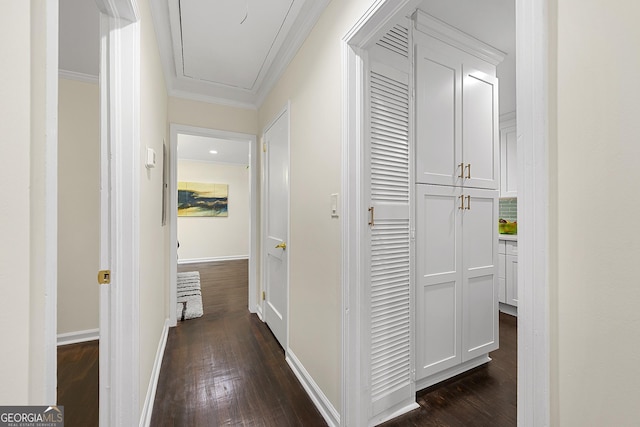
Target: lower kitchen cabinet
511,273
457,279
508,274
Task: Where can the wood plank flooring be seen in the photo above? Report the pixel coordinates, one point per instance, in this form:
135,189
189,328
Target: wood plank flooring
78,376
483,397
226,368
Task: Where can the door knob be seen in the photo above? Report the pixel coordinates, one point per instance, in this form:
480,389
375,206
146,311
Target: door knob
282,246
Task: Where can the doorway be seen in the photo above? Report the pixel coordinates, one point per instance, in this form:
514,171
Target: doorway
533,363
276,227
191,149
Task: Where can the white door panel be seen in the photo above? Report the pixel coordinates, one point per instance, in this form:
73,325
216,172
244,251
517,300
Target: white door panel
276,233
480,273
388,256
439,277
480,129
438,107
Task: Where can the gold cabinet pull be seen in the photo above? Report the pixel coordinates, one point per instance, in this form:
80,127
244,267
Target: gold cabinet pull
371,222
461,197
468,203
469,171
461,176
281,245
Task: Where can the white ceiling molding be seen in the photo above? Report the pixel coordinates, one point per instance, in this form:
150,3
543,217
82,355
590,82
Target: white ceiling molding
300,17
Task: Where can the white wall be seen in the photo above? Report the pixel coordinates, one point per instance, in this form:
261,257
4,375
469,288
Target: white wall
212,116
14,202
153,236
313,84
216,237
596,287
78,206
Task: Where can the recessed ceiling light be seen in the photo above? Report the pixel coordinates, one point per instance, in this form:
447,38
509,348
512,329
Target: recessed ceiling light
213,152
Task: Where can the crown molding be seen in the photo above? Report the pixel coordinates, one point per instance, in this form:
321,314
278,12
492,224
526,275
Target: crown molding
300,30
444,32
80,77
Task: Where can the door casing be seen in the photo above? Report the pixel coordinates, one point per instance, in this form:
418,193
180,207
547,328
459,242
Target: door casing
263,258
172,209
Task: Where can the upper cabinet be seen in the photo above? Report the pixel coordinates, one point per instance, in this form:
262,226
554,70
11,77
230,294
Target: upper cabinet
508,156
457,138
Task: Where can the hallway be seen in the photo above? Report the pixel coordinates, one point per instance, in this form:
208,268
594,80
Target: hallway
226,368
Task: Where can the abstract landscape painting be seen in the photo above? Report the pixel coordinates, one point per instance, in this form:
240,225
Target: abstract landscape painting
202,199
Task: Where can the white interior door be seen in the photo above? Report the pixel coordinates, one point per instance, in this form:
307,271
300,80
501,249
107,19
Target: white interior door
276,227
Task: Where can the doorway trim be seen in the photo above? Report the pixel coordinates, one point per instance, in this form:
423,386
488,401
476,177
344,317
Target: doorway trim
533,281
120,205
263,223
176,129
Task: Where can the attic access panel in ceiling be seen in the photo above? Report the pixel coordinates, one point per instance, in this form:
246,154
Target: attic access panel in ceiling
231,42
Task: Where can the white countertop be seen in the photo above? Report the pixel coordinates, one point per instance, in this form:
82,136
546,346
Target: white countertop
510,237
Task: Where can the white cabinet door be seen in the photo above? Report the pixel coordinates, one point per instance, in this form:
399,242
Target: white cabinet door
508,161
457,276
457,135
438,112
480,129
480,273
512,273
439,278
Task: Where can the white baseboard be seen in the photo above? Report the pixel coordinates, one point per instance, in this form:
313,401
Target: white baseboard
259,311
147,410
212,259
329,413
395,412
78,336
452,372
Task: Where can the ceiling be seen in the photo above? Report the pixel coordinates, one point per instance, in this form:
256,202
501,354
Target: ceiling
233,51
230,51
198,148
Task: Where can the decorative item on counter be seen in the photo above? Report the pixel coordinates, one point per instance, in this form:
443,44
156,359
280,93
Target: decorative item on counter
506,227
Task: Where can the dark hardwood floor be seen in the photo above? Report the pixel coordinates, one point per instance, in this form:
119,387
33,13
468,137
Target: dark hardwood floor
483,397
78,376
226,368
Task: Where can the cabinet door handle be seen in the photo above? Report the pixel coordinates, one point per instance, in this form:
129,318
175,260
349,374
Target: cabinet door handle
468,203
371,216
461,197
461,176
469,171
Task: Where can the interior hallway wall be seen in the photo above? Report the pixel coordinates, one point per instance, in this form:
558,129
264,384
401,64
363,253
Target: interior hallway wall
15,205
154,237
313,82
216,237
596,294
78,206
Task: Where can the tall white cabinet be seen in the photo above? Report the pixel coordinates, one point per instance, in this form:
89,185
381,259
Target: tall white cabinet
456,211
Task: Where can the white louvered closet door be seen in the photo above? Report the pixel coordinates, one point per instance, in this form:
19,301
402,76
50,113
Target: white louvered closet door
389,233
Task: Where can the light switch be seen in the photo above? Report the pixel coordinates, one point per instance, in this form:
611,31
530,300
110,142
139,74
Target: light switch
334,205
151,158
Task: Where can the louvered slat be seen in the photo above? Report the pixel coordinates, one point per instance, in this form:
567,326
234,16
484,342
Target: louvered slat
390,322
396,40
